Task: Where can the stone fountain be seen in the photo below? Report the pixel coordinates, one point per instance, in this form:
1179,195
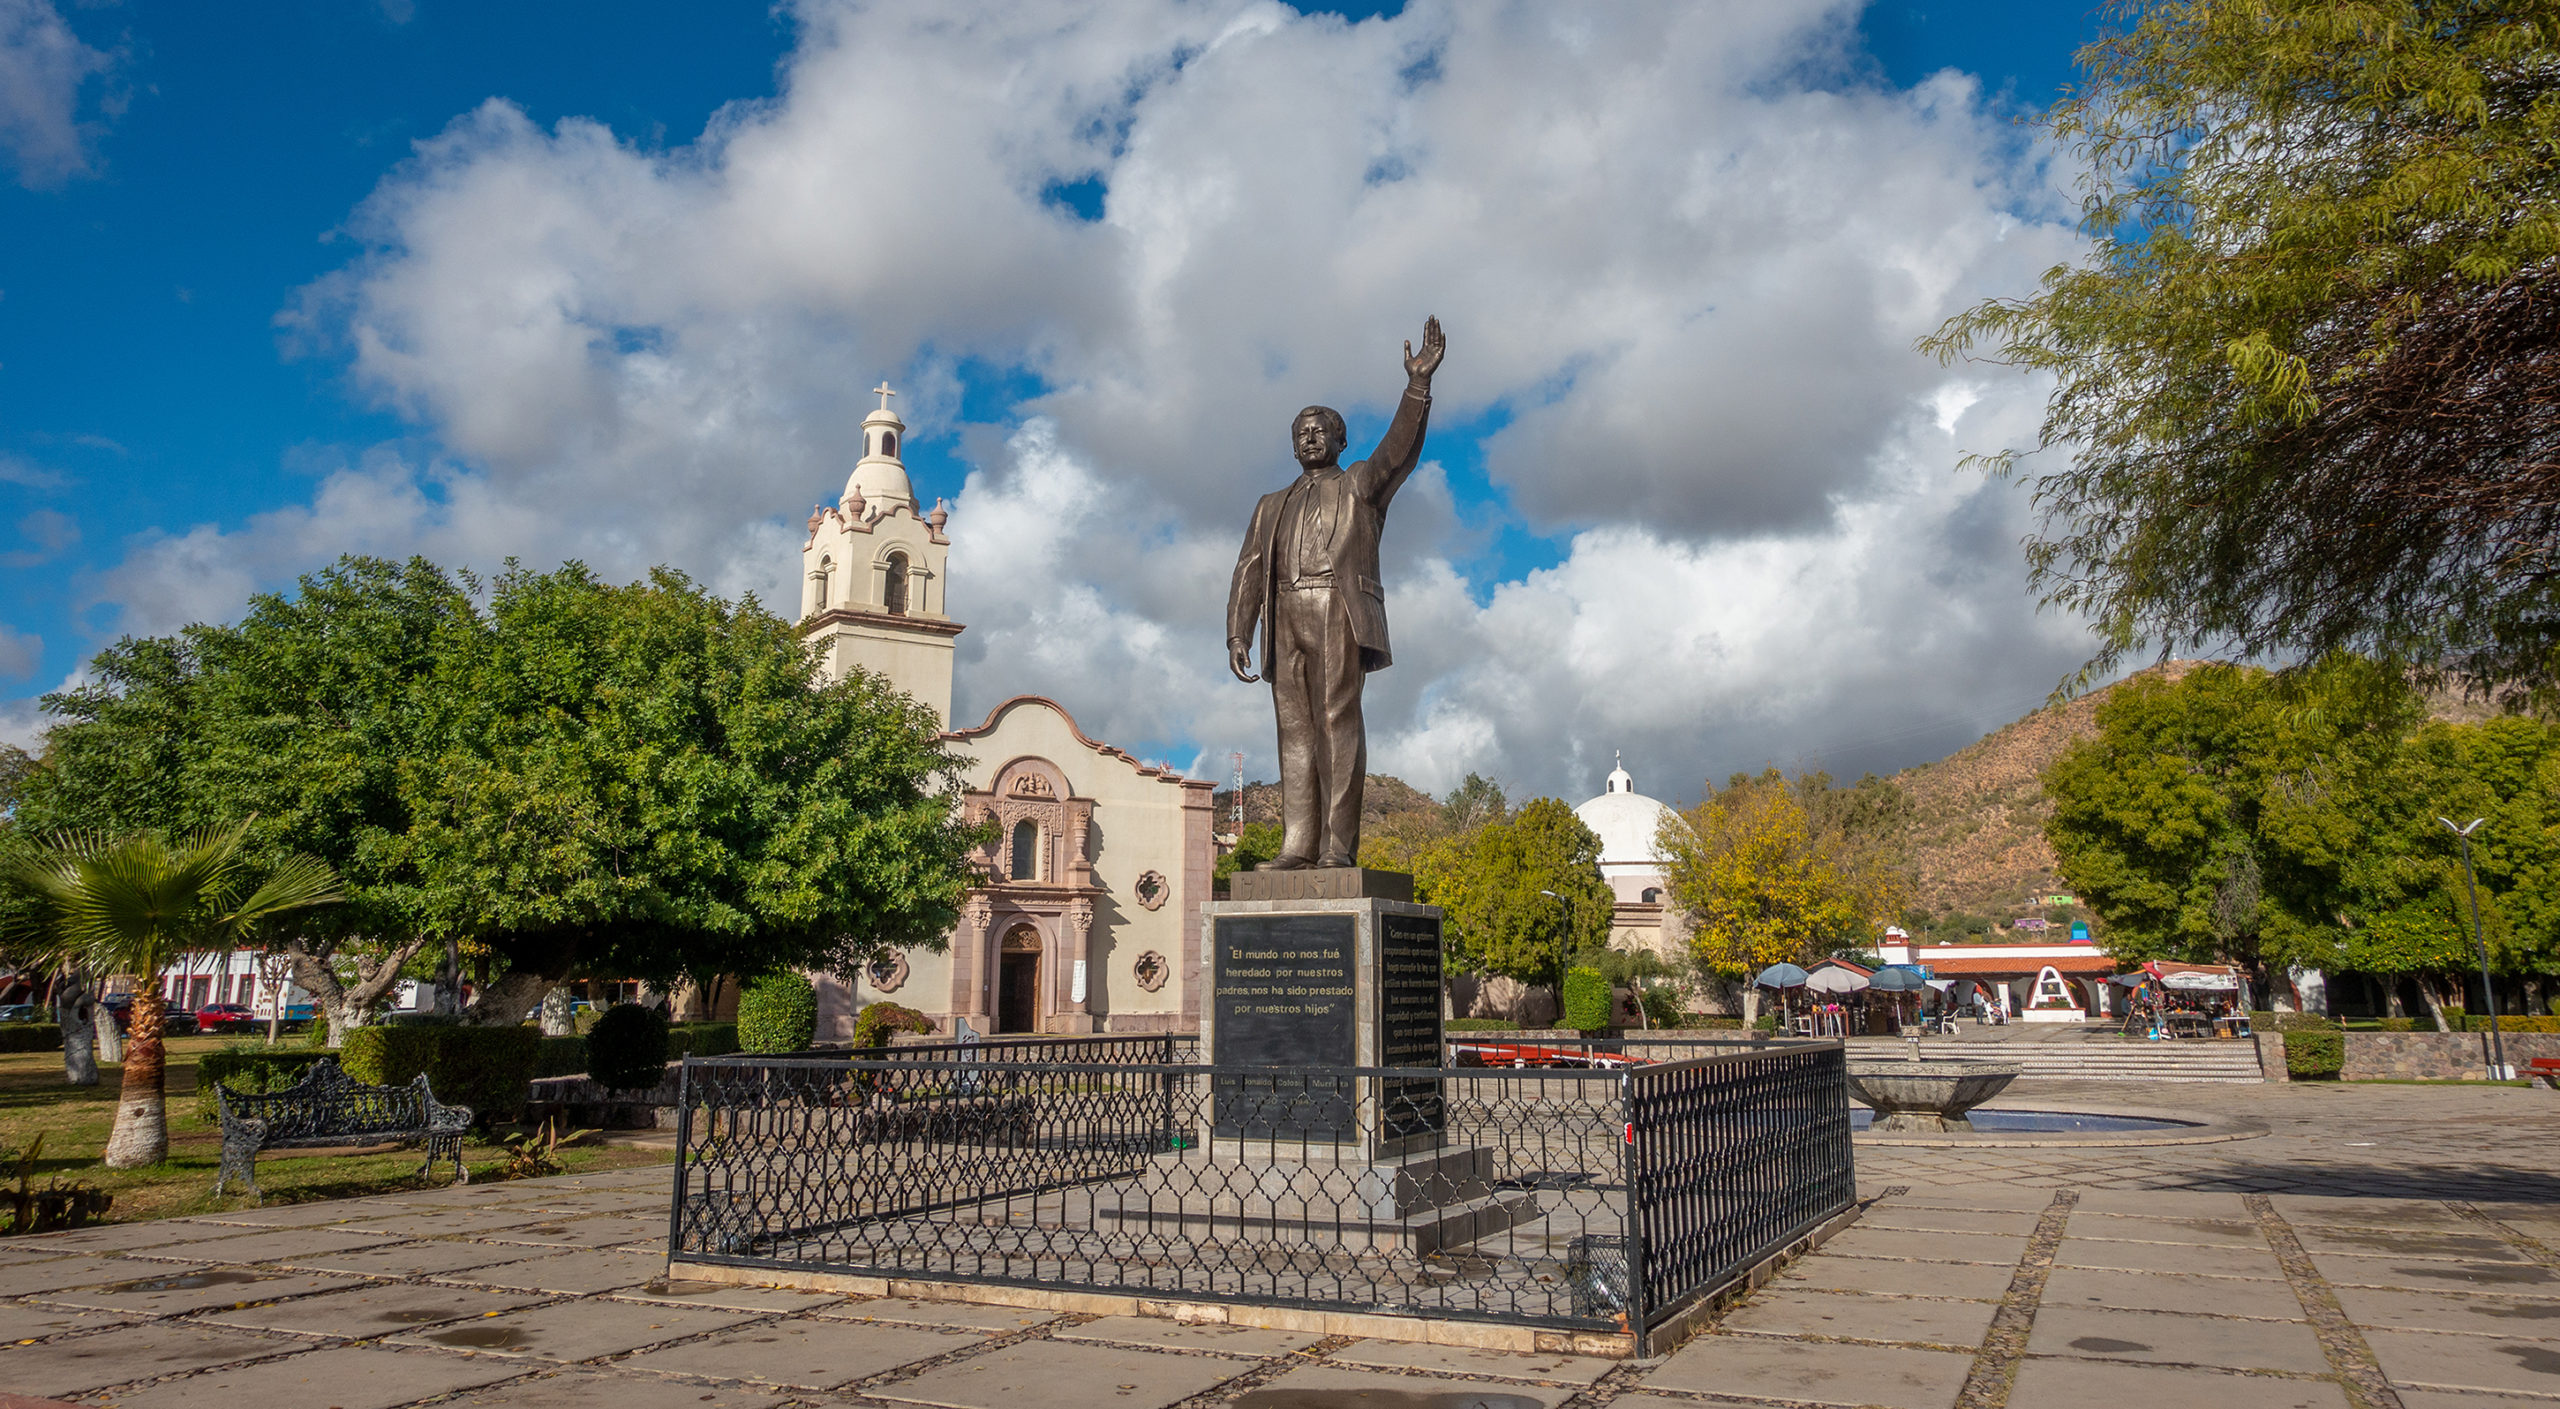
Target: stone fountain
1929,1095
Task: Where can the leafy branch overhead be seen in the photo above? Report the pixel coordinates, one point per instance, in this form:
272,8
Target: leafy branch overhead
2307,387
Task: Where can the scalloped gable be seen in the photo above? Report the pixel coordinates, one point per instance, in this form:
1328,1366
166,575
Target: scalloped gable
1160,772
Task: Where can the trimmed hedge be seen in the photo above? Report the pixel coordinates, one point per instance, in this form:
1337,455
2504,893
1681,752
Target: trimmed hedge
778,1013
2507,1022
560,1056
249,1072
30,1037
489,1069
1586,1001
2264,1021
2315,1056
878,1022
701,1040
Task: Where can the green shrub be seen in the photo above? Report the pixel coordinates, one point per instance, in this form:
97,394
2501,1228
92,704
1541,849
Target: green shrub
1479,1025
489,1069
1586,1001
777,1013
1766,1022
2314,1056
701,1040
2260,1021
2398,1024
627,1048
874,1024
30,1037
1661,1006
2507,1022
560,1056
250,1071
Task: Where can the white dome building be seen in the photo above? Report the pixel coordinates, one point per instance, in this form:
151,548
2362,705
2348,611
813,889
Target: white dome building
1627,823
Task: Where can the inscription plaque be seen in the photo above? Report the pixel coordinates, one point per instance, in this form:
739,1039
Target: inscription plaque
1409,1021
1281,995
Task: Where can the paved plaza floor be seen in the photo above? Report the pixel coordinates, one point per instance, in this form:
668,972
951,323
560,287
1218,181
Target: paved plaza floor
2380,1246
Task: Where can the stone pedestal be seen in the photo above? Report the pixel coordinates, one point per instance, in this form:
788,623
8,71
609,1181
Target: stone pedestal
1305,971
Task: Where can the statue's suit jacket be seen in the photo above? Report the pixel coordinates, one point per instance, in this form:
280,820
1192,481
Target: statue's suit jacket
1347,510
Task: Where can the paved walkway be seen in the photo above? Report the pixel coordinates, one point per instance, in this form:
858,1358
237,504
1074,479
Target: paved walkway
2382,1246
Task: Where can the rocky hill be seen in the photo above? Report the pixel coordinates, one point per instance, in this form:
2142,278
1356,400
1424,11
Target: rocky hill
1385,801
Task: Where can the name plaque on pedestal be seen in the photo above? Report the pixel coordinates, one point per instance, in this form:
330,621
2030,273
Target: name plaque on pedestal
1283,996
1409,1021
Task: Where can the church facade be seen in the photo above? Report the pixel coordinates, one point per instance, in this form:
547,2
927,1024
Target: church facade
1088,917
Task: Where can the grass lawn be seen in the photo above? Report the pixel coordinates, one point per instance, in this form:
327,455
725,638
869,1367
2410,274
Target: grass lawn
74,1121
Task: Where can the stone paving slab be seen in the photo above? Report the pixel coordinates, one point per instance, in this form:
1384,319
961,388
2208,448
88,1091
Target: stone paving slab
375,1258
959,1315
2108,1255
2436,1244
592,1231
71,1366
1326,1387
441,1223
237,1244
2163,1338
2427,1359
345,1377
573,1330
2522,1318
174,1291
1857,1274
125,1237
372,1312
1815,1372
565,1273
56,1273
728,1295
2171,1291
803,1354
2070,1384
1463,1360
2178,1232
1216,1338
1912,1218
1063,1375
607,1389
2425,1274
2466,1399
1991,1248
1952,1324
28,1320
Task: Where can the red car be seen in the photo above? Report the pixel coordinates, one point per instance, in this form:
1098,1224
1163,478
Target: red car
225,1017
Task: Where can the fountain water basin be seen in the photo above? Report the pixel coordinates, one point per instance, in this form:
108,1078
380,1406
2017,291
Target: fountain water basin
1926,1096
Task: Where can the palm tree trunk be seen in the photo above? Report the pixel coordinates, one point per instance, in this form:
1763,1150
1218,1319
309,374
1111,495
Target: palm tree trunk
141,1134
78,1013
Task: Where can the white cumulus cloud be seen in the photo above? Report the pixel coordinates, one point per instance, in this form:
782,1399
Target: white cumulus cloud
42,67
1682,253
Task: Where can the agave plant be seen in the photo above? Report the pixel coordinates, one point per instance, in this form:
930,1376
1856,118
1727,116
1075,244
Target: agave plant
130,905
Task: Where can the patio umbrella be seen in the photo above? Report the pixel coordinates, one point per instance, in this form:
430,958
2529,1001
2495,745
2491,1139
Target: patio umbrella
1780,976
1893,978
1835,981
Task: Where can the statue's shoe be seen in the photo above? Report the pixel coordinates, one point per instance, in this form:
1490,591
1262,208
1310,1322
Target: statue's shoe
1285,863
1335,863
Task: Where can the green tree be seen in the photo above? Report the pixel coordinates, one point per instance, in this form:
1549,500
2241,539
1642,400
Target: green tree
1477,801
1488,883
1257,843
131,905
1772,870
2299,379
649,781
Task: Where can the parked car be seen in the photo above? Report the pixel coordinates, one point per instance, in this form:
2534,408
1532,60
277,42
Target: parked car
225,1017
22,1013
174,1022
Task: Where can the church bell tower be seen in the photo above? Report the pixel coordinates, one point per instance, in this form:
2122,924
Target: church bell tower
872,573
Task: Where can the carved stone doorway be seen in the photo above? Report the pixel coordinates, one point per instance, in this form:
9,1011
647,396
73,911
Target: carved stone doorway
1018,981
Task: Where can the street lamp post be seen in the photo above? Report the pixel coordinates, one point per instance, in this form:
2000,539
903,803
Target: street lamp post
2488,995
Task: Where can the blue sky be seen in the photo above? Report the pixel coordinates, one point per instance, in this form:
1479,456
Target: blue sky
175,361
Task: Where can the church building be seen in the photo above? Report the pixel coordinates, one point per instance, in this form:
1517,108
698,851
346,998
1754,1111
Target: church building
1088,919
1627,823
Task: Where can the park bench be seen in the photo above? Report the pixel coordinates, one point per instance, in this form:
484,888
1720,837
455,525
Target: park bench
2543,1071
327,1107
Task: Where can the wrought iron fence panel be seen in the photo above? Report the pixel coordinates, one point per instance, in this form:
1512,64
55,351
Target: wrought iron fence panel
1729,1159
1483,1193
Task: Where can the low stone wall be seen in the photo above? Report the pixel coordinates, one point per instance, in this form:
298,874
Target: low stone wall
2437,1056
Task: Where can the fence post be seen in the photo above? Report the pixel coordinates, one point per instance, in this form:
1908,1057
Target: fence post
1631,1171
684,1132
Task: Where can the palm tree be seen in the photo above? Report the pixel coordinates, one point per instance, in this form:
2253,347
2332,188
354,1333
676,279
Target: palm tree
132,904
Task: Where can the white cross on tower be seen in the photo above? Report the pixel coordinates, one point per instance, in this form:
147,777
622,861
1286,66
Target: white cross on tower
885,394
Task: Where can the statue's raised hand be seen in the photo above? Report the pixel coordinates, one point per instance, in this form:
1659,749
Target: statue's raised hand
1420,366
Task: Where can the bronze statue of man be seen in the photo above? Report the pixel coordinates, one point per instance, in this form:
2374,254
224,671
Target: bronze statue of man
1309,576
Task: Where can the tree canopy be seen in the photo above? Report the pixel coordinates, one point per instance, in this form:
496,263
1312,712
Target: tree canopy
1488,881
2230,816
2305,379
643,779
1777,870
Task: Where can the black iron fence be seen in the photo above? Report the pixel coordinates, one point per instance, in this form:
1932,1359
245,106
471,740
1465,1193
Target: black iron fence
1587,1198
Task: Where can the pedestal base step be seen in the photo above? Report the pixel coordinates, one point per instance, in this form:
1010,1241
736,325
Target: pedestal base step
1422,1203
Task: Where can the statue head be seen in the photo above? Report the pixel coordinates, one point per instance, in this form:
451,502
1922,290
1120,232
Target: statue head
1317,437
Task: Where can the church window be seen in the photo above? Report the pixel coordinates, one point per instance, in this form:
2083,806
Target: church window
1026,851
826,571
889,443
893,594
1652,896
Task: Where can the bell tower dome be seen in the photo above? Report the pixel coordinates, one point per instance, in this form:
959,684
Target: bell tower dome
873,573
